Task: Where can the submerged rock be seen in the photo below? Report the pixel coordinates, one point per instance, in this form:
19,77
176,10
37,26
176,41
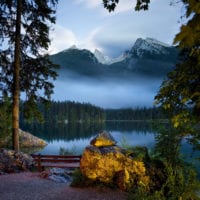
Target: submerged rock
110,164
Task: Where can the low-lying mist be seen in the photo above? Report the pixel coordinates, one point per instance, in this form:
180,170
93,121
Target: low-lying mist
107,92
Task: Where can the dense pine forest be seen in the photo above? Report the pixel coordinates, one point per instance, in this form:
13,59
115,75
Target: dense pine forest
139,113
70,112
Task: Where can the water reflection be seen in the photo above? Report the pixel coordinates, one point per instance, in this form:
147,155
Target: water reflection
65,132
170,153
77,136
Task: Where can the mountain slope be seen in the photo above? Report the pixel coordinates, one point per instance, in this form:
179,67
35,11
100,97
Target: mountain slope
147,57
78,61
107,60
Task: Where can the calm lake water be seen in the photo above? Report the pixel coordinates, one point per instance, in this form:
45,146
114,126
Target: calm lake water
75,137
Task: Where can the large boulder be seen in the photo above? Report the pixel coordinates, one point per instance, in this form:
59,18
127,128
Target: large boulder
111,164
29,140
12,161
26,140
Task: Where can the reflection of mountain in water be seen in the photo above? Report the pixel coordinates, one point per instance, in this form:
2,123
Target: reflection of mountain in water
72,131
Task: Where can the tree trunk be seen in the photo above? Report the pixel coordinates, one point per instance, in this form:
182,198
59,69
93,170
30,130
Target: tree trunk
16,78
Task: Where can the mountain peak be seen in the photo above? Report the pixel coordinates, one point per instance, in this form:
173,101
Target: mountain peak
149,45
106,59
73,47
156,42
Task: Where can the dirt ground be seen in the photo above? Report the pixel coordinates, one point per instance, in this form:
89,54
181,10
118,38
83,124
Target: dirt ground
30,186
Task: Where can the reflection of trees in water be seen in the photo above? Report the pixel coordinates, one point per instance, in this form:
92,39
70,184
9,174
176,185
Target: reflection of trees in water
61,131
139,127
71,131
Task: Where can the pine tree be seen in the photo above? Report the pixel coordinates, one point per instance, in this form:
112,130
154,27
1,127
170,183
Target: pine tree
24,33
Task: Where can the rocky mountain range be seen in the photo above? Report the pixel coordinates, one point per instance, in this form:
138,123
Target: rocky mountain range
147,57
130,80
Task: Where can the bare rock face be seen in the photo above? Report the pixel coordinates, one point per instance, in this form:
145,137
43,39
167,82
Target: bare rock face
109,164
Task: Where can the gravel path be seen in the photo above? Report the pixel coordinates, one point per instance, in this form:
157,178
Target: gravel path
29,186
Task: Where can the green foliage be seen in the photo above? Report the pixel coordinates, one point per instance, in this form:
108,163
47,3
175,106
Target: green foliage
181,182
139,153
168,182
65,151
179,94
5,118
67,112
142,113
73,112
110,5
36,17
79,180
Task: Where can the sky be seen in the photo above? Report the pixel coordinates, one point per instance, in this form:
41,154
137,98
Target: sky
87,24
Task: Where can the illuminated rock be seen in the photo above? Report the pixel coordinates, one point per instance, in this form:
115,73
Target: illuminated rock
111,165
103,139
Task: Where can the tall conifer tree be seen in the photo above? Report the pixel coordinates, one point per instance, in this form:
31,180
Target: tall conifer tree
24,33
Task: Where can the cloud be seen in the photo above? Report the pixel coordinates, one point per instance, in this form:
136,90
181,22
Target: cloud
89,42
61,38
94,27
90,3
122,28
111,93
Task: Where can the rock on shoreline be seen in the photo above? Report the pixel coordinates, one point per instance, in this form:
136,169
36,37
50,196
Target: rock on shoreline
13,162
106,162
26,140
29,140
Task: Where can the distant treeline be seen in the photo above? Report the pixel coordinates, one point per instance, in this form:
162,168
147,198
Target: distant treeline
135,114
68,112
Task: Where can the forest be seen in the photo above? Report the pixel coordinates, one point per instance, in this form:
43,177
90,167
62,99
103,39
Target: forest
73,112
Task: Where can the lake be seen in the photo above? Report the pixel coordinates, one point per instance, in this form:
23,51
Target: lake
75,137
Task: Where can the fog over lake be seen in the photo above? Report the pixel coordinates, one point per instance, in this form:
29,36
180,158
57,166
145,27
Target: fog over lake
107,92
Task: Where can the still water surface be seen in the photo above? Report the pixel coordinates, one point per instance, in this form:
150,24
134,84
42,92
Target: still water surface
75,137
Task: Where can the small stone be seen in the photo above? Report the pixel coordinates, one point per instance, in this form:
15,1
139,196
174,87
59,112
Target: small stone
58,179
